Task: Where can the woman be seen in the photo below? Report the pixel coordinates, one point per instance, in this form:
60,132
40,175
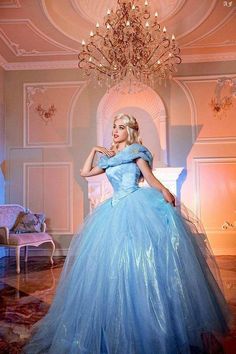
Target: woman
136,279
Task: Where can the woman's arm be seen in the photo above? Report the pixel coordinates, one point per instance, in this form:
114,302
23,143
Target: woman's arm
153,181
88,170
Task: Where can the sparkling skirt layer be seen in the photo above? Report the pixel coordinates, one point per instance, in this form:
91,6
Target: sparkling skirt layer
139,278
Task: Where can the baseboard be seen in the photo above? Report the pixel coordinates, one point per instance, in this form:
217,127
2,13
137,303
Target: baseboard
40,252
224,251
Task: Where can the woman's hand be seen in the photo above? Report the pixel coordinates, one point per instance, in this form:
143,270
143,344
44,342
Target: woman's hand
168,196
103,150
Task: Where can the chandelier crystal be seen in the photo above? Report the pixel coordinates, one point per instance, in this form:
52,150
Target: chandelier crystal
129,47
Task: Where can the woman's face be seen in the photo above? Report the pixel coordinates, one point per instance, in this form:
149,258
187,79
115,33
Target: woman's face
119,131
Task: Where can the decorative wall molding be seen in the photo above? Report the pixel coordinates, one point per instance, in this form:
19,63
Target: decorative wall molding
224,251
27,166
228,140
30,89
196,163
182,82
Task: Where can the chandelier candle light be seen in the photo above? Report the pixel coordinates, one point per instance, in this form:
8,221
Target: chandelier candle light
129,47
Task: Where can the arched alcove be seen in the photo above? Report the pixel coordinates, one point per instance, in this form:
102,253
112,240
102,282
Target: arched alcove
150,112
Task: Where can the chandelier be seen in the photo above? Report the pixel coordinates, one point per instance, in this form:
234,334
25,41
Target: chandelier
220,105
130,47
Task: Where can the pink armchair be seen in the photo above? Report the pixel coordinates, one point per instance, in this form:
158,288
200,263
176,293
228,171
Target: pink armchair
8,216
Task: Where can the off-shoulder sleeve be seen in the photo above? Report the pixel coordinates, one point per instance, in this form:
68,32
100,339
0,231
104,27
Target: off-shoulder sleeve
103,162
139,151
129,154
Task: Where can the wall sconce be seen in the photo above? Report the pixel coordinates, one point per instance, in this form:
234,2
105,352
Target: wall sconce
46,115
228,225
221,105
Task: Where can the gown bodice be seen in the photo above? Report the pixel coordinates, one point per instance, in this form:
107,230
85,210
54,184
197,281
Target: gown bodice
122,171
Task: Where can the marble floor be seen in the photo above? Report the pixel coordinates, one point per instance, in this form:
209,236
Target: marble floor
25,298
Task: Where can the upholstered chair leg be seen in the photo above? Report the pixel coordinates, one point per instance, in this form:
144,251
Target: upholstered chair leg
26,253
53,250
18,260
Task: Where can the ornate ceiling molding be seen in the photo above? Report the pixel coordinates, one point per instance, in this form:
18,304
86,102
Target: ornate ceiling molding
197,24
39,39
80,31
64,15
15,47
10,4
196,58
33,30
3,61
211,31
168,9
93,11
72,64
40,65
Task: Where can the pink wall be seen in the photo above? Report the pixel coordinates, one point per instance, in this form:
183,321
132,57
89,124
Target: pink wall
43,160
2,136
209,157
2,145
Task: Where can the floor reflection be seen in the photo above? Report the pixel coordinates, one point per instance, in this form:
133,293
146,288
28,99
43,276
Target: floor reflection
25,298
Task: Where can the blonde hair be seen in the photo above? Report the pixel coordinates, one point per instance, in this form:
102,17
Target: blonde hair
132,128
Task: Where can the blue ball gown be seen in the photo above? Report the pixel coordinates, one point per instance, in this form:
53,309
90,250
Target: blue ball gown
136,279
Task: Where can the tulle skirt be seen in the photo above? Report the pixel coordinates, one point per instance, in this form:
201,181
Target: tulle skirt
139,278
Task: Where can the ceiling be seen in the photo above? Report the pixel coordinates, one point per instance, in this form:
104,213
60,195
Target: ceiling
37,34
